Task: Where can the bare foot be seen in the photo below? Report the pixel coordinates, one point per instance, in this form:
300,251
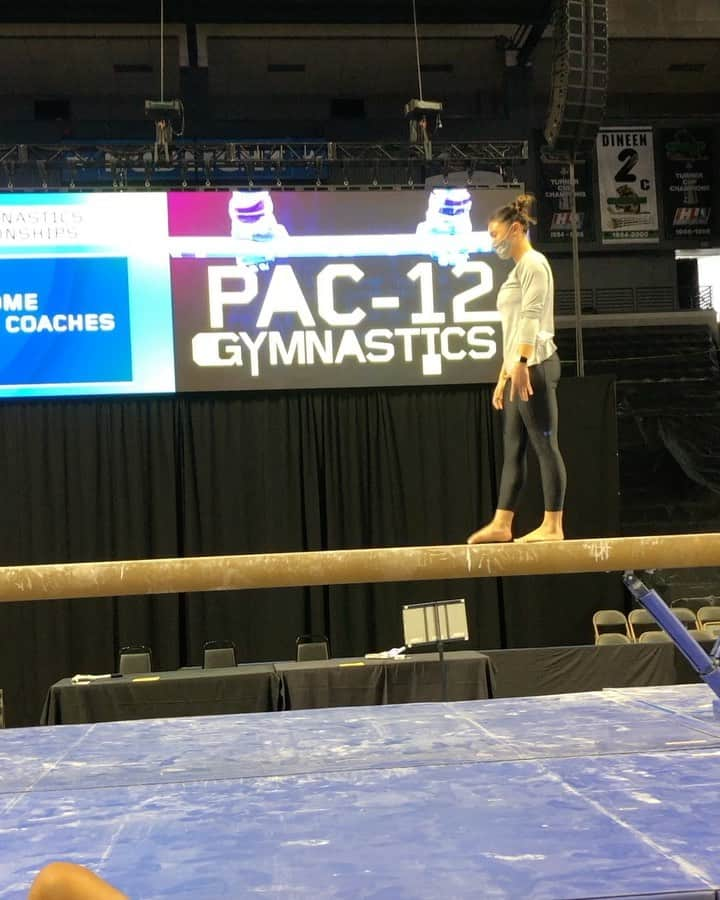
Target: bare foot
491,534
543,533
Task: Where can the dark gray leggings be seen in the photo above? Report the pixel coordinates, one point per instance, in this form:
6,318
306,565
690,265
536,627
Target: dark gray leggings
536,418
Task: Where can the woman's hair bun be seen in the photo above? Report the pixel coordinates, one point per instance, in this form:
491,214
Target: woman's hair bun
523,205
517,211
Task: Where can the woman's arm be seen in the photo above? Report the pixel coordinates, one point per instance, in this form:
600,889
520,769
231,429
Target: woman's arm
534,286
526,350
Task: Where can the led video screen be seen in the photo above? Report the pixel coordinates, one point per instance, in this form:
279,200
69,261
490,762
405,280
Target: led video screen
333,289
254,290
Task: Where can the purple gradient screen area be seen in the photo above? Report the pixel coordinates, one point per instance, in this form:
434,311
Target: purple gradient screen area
322,289
194,213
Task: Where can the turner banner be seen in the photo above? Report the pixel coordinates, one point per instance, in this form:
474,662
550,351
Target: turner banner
278,290
687,182
626,184
554,206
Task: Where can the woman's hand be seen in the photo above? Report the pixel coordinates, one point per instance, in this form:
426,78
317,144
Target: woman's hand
498,398
520,382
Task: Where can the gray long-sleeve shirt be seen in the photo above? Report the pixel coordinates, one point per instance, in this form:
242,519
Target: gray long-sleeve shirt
525,303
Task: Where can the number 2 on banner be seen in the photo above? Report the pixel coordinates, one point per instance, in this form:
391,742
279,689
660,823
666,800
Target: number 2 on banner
625,175
629,159
423,272
461,315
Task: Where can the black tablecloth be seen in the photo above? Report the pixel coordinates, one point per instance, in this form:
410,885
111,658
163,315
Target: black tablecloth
269,687
187,692
370,682
562,670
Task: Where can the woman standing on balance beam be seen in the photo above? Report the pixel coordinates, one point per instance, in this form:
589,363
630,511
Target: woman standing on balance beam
526,388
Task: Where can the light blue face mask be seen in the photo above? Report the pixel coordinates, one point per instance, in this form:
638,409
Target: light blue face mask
503,247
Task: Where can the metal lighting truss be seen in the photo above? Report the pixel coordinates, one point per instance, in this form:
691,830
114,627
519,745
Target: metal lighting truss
200,165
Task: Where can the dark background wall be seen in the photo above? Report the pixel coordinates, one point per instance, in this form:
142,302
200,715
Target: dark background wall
202,475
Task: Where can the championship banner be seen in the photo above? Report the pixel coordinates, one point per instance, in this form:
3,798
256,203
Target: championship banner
309,289
687,182
626,184
554,203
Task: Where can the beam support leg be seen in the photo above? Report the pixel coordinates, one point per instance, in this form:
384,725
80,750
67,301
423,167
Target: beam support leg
705,664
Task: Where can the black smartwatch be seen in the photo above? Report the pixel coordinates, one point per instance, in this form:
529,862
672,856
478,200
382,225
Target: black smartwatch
523,360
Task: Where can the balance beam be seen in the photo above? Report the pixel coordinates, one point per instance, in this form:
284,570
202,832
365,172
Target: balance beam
276,570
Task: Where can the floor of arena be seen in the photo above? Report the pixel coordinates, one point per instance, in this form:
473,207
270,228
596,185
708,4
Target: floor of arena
611,794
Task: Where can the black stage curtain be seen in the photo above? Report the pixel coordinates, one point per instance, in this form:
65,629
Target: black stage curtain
241,473
84,480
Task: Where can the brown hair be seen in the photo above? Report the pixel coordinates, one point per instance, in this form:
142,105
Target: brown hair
517,211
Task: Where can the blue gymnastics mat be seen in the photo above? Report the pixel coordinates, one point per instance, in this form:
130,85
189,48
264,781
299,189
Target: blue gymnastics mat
601,795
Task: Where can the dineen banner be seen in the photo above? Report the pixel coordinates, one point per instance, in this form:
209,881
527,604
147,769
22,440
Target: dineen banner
282,290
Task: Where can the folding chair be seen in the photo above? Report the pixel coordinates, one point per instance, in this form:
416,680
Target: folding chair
312,647
135,660
686,616
609,621
641,621
610,638
219,654
708,619
654,637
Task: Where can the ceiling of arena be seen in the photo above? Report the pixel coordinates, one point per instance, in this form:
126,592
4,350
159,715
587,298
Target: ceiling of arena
682,57
527,12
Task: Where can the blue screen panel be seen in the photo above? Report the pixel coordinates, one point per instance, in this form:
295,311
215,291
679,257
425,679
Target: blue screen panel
85,305
64,320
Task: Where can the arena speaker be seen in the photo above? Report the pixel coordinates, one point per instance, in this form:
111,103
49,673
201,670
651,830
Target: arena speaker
578,91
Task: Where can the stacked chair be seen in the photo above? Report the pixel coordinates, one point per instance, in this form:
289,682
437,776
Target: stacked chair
611,626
